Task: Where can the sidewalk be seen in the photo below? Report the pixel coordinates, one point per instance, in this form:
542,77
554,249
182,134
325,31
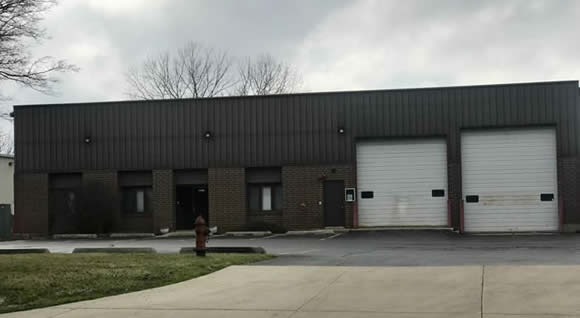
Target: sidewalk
297,291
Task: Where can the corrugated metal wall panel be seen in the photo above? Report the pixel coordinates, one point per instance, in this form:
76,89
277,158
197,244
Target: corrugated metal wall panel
277,130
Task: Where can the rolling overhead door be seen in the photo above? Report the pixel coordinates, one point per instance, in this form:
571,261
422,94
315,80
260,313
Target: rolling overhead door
509,180
402,182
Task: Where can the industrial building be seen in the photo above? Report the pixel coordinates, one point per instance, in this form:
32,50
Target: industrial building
489,158
6,194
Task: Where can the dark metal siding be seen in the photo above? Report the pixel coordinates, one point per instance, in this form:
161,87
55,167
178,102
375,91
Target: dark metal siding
5,221
277,130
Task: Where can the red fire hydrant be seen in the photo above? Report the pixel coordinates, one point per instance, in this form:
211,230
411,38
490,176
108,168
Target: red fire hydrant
201,235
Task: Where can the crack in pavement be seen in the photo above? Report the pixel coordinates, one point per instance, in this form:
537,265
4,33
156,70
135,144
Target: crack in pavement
318,293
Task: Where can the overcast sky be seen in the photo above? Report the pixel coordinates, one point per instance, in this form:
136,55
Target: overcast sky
336,45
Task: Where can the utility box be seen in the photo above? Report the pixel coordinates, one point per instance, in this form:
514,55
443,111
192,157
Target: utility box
5,221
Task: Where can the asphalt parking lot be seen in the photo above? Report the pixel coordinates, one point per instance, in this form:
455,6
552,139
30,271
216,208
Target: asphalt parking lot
372,248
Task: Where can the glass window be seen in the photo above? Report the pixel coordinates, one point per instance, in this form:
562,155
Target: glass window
367,194
136,200
140,200
265,197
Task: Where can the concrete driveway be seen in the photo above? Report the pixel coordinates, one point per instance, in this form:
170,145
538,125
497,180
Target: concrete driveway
312,291
374,248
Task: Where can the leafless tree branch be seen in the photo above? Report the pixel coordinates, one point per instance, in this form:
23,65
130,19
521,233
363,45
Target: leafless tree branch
194,71
19,22
6,132
6,144
6,116
265,76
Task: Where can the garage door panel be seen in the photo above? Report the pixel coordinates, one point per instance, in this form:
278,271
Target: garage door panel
513,188
401,175
509,170
515,210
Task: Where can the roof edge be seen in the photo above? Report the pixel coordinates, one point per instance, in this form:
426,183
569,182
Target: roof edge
305,93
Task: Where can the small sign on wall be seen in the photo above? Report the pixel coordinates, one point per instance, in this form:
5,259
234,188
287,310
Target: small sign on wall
349,194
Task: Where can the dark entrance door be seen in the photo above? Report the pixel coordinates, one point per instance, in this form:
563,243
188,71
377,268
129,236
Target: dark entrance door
64,211
333,203
200,203
191,201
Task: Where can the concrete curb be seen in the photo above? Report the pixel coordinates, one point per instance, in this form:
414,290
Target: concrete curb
248,233
79,236
12,251
131,235
367,229
74,236
225,249
323,231
397,228
116,250
191,234
178,234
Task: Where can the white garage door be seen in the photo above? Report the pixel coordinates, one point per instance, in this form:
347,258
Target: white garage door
509,180
402,183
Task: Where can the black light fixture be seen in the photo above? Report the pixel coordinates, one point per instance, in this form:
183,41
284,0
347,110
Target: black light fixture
207,135
88,140
341,130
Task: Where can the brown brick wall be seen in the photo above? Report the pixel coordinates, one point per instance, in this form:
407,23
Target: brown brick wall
454,193
107,180
274,217
303,189
568,189
136,224
574,216
227,198
31,203
121,223
163,200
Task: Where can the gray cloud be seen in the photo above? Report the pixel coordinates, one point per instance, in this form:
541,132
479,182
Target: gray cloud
426,43
337,45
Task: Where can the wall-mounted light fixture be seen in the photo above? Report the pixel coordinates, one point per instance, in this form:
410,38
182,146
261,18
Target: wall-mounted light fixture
341,130
207,135
88,140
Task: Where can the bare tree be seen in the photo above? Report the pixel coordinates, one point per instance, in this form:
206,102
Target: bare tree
193,71
19,25
264,76
5,115
6,142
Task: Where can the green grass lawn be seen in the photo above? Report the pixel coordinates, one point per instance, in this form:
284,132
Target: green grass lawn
40,280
